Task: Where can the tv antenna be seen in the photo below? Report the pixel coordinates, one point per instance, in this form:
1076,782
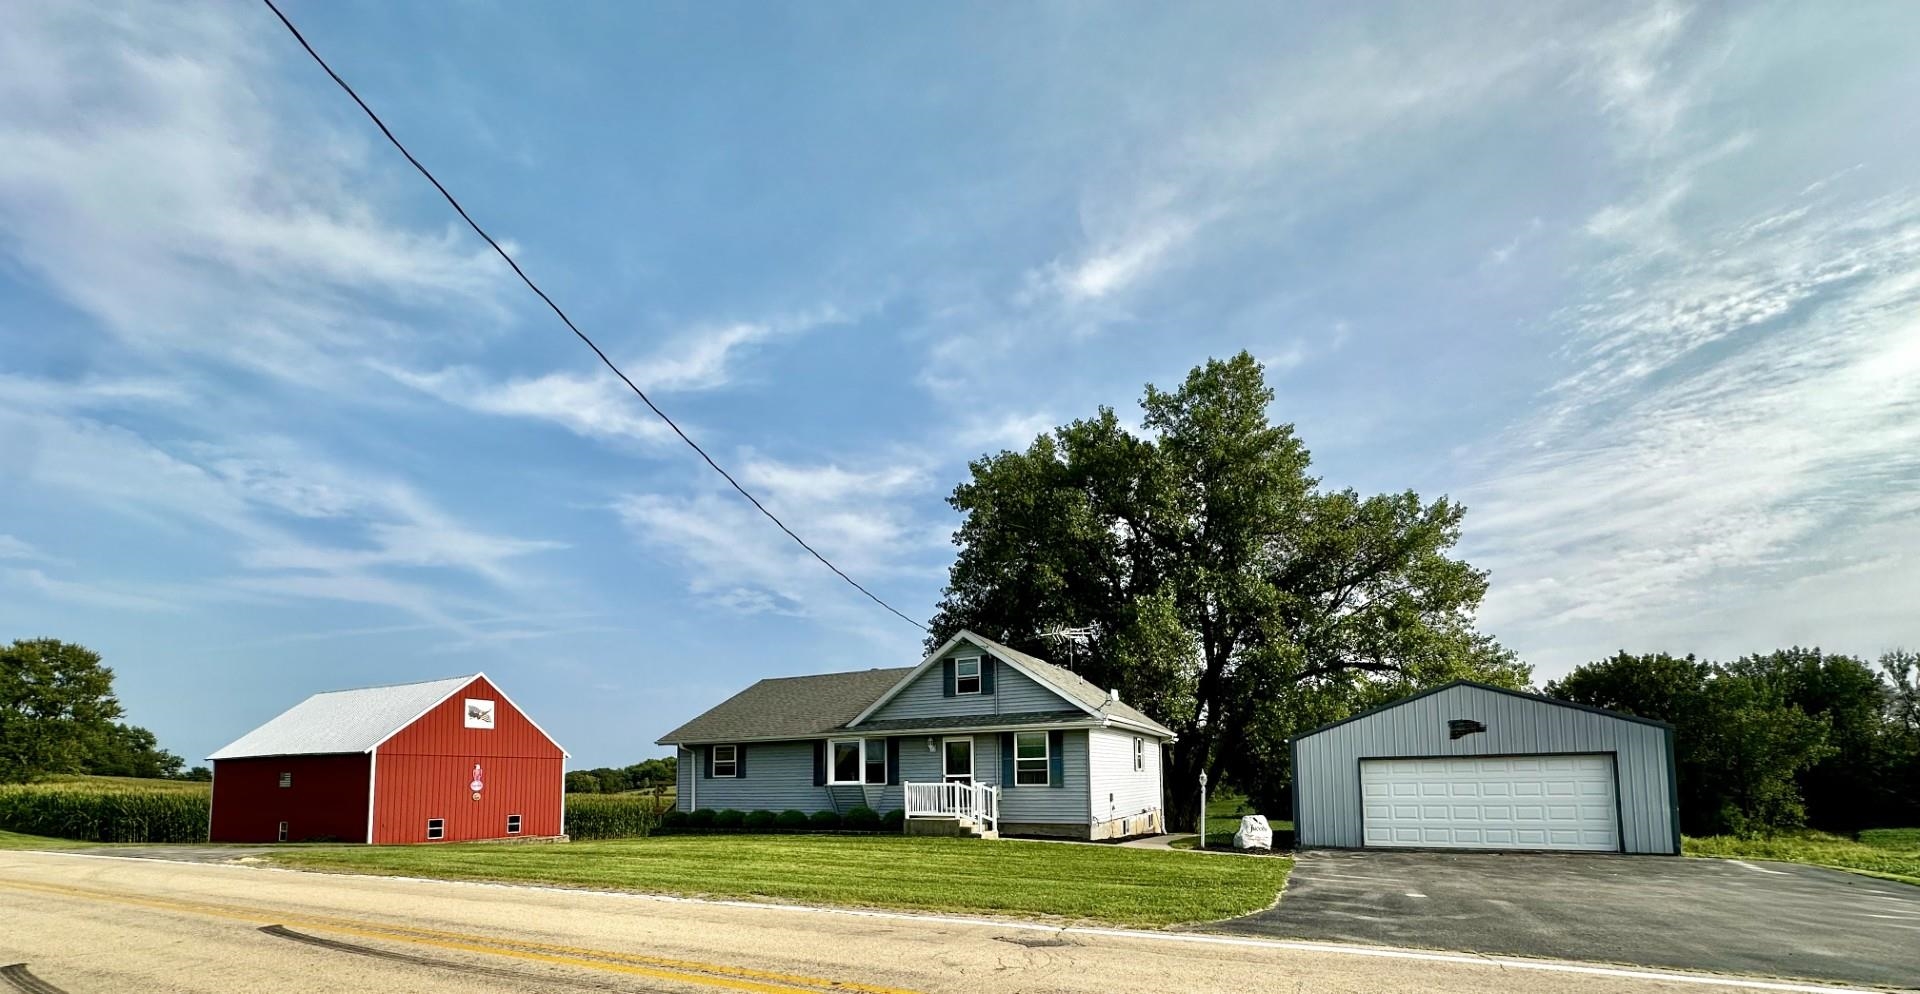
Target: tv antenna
1072,636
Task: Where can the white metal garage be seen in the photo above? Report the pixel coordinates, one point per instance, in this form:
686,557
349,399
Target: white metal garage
1469,766
1503,802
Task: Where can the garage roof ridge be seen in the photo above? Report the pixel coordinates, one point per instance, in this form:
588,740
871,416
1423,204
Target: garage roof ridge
1477,685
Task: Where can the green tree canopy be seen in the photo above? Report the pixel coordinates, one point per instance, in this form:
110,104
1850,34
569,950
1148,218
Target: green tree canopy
56,706
1231,597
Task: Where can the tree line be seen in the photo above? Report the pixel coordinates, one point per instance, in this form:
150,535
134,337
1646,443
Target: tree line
58,714
649,774
1789,738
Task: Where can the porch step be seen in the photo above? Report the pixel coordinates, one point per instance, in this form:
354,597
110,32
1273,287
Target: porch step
952,828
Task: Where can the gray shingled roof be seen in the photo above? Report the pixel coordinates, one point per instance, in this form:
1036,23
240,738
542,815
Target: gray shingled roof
976,721
342,720
1074,685
789,707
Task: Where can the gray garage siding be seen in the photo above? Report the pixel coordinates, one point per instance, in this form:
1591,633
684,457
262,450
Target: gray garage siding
1327,806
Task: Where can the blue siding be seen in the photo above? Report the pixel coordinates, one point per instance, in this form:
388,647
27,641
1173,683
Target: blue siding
1013,693
779,777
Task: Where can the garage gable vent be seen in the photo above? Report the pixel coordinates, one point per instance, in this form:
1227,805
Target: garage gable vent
1460,727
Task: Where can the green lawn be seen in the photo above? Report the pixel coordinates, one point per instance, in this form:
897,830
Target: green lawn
1223,819
1893,853
1096,883
20,840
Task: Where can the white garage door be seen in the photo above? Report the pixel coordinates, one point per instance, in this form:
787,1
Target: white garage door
1519,802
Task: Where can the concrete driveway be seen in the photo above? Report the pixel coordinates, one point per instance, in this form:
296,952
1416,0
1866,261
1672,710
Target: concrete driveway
1775,919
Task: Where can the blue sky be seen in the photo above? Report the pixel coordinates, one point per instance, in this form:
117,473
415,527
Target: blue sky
1640,285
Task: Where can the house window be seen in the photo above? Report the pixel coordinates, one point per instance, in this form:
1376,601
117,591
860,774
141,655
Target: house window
1030,759
436,828
286,779
847,762
966,675
876,761
1139,754
283,831
513,824
726,761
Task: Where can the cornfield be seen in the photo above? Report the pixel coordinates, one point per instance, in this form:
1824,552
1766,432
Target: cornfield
611,816
106,812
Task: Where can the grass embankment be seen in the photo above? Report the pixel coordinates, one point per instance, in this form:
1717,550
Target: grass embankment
1893,853
107,809
1105,884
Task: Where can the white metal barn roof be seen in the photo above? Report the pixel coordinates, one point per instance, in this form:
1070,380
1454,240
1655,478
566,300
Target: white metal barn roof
342,720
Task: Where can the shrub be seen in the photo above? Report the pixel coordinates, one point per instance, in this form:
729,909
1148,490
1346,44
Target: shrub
894,821
861,818
674,819
759,821
611,816
702,818
824,820
729,818
792,819
105,812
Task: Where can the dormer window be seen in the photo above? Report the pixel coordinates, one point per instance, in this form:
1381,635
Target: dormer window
966,675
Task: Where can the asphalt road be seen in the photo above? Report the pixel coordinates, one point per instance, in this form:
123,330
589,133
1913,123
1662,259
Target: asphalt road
1776,919
86,925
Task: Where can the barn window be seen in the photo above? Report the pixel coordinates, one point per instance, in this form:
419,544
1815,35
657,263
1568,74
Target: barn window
726,761
286,779
513,824
966,675
1139,754
283,831
436,828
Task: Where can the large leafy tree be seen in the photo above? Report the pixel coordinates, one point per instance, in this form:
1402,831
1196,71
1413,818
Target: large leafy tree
1230,596
56,706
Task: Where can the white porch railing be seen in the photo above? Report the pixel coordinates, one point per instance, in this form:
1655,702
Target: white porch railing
977,802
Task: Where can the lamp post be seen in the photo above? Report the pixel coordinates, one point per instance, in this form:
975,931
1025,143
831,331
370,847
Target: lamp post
1203,809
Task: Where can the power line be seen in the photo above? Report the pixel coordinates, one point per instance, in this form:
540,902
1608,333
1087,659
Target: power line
562,315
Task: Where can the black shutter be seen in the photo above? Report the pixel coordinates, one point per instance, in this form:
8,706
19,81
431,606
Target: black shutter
740,762
986,675
946,677
893,762
706,762
1056,759
1006,760
820,763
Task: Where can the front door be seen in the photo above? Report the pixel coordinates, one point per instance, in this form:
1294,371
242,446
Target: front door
958,760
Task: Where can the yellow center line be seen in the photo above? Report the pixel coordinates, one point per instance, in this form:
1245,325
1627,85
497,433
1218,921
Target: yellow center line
658,967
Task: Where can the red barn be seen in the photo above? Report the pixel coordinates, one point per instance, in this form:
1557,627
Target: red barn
448,760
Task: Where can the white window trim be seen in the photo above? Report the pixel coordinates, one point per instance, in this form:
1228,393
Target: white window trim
514,822
978,678
973,765
1139,754
860,777
431,828
1045,760
733,761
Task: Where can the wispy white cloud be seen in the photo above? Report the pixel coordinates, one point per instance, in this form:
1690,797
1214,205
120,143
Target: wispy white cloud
595,404
15,548
158,180
35,581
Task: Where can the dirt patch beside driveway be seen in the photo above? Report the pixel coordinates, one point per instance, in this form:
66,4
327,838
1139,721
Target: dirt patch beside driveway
1777,919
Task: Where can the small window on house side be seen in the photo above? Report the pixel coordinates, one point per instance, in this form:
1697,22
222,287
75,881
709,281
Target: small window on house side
513,824
966,675
283,831
286,779
1030,767
726,761
436,828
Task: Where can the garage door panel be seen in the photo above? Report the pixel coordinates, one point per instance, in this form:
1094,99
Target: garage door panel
1524,802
